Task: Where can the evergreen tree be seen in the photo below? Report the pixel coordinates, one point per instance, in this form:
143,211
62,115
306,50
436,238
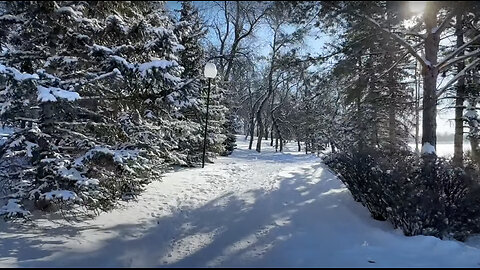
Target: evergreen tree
96,94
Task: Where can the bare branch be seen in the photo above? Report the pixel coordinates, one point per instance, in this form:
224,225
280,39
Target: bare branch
458,59
459,75
457,51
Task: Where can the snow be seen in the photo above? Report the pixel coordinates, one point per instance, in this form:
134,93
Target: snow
445,149
11,18
427,148
69,11
46,94
119,156
64,195
162,64
17,75
74,175
247,210
123,61
102,49
470,114
114,73
30,147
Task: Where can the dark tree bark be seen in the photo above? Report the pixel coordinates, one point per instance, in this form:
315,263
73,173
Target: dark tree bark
460,98
430,70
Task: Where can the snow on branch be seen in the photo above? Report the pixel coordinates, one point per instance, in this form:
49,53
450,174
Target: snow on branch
13,209
114,73
122,61
459,75
162,64
16,74
64,195
118,156
46,94
11,19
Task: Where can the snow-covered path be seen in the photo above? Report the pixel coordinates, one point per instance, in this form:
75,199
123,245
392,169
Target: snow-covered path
248,209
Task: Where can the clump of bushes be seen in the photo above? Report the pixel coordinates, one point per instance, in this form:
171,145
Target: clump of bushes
420,196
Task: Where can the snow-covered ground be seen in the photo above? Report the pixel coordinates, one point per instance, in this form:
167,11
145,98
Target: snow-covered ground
445,149
248,209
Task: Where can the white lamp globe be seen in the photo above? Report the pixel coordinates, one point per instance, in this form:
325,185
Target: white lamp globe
210,70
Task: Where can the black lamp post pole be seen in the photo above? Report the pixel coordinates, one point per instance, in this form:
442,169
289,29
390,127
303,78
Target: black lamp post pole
206,125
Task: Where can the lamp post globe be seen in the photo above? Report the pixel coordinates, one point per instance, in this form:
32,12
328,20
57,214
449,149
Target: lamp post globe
210,72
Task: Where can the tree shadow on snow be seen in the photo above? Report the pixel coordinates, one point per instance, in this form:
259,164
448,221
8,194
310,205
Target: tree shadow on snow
266,229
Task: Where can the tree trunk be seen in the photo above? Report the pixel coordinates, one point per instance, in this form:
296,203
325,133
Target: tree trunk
429,121
299,147
459,100
475,151
278,134
260,123
252,131
332,145
391,113
417,111
271,136
260,131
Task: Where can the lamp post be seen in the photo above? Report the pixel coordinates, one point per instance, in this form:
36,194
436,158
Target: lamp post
210,72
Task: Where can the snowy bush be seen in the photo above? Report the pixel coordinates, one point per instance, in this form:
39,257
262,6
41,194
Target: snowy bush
421,197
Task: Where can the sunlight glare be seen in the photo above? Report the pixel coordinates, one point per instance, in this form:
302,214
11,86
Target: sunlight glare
417,6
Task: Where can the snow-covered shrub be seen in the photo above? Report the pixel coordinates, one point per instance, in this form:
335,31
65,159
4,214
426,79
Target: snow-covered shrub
429,197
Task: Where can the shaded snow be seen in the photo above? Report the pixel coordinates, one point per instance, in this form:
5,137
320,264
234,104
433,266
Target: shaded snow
249,209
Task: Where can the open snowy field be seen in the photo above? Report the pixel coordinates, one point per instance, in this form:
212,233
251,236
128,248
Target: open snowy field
248,209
